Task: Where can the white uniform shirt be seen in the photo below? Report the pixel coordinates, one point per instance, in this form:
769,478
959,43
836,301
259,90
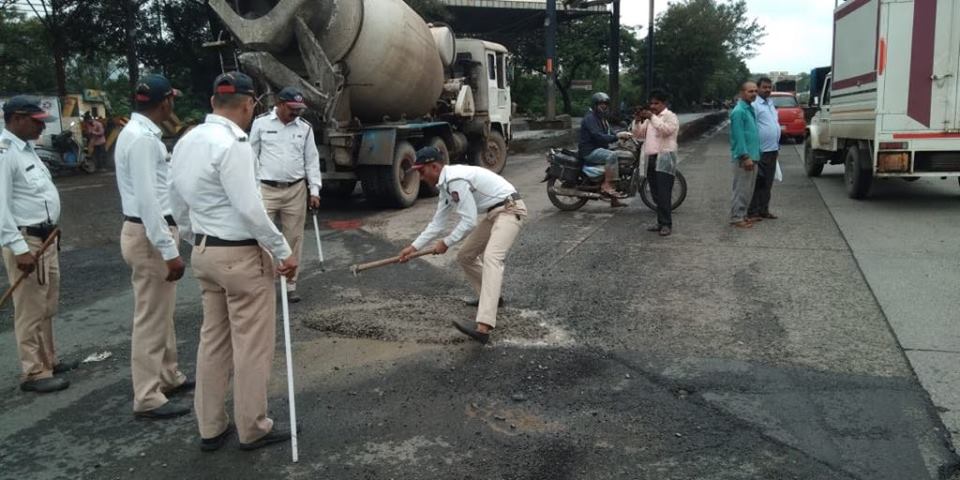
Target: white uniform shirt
28,196
213,188
468,191
143,177
285,153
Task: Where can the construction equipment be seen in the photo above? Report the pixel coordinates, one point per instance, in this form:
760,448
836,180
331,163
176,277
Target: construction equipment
381,83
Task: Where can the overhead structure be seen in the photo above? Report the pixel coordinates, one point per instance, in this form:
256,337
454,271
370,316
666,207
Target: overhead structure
496,17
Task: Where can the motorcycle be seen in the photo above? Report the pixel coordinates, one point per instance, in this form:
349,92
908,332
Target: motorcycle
571,184
64,153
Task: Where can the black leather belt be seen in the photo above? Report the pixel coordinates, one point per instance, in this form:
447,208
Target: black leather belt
219,242
39,231
512,198
280,184
168,218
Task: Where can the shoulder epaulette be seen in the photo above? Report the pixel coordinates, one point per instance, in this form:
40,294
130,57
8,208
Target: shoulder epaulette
4,145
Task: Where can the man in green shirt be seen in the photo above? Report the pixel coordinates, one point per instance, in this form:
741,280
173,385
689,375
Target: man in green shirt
745,152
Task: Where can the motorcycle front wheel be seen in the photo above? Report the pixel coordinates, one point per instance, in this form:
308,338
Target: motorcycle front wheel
563,202
677,196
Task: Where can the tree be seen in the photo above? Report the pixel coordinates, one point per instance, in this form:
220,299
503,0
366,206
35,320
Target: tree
59,18
25,63
582,47
701,46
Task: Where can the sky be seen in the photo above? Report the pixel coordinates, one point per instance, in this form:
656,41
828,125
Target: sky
799,32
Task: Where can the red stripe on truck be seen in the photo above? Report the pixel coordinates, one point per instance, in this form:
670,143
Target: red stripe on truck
924,136
855,81
920,99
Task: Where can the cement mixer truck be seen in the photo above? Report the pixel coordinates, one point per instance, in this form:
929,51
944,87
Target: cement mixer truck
380,83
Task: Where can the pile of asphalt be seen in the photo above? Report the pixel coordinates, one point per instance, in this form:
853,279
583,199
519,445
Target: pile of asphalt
425,320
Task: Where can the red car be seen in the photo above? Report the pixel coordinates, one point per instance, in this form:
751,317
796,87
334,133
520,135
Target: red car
790,115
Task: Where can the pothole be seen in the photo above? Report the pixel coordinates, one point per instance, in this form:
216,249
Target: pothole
428,320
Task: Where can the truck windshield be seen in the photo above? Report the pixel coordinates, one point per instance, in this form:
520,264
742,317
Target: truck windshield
784,101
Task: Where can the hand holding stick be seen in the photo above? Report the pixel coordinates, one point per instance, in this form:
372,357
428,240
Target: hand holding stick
23,275
356,269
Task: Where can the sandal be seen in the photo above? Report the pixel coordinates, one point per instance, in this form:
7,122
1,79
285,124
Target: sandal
612,194
769,215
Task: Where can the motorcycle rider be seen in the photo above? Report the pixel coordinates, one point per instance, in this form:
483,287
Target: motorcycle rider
595,139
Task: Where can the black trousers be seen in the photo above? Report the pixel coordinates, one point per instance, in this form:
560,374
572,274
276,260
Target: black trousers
661,187
766,170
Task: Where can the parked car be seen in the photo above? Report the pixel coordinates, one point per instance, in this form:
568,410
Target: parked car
790,115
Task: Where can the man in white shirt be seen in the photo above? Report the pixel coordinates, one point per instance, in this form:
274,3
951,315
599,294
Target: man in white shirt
768,123
491,214
29,212
287,164
657,126
148,242
215,201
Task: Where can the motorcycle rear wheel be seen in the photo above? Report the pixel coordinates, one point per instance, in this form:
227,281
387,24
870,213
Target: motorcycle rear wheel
678,195
563,202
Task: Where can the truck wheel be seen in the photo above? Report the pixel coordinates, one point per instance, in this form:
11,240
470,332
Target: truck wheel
856,173
391,185
493,155
812,163
427,190
338,188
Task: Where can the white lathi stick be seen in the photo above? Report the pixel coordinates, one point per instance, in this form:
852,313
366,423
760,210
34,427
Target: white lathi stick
286,341
316,230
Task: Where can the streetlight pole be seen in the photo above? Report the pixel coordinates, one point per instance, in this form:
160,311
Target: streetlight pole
551,27
649,82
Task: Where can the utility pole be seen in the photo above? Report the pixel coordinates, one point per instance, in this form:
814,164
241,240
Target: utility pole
551,27
615,59
649,82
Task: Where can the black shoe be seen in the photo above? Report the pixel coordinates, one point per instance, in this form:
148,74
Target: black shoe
476,302
45,385
654,228
62,367
216,443
472,332
186,386
167,410
292,297
277,435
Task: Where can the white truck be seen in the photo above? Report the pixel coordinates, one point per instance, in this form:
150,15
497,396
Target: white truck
380,83
889,106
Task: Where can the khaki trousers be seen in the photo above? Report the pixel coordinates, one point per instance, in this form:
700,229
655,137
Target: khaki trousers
238,335
290,204
35,303
484,251
153,346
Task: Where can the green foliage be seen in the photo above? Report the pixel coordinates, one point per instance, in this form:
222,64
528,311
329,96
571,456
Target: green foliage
700,48
25,63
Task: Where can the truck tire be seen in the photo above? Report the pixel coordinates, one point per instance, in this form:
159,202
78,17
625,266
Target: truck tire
857,173
338,188
812,161
391,185
493,154
427,190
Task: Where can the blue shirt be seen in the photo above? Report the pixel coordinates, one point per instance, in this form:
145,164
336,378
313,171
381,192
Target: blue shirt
769,124
744,139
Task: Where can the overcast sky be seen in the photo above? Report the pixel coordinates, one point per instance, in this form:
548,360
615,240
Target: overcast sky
799,32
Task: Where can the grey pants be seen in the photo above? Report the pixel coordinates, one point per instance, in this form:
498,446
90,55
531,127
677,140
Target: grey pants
607,158
766,170
743,185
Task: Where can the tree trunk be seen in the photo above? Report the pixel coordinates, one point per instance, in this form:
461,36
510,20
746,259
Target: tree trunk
565,95
133,63
59,65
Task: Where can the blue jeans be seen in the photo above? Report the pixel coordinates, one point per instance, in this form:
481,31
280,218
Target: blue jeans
607,158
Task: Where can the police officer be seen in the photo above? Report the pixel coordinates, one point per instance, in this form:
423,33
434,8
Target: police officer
29,212
288,163
148,242
491,214
216,203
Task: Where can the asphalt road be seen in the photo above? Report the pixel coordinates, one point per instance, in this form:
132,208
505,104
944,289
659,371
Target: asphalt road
904,239
712,354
